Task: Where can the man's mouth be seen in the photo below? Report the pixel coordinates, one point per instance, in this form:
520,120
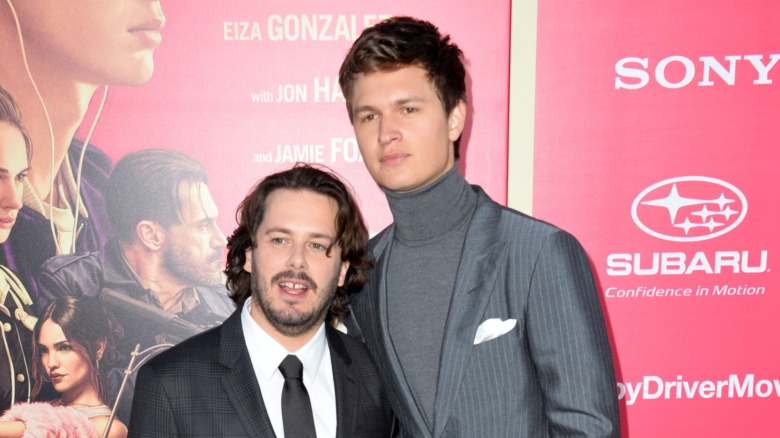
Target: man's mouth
393,158
293,285
149,32
294,289
153,24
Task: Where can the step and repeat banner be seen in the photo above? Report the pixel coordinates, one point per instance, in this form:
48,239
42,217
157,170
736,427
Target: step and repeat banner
656,144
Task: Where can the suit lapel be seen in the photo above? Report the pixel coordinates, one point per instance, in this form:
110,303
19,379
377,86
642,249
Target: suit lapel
344,383
400,388
239,382
474,282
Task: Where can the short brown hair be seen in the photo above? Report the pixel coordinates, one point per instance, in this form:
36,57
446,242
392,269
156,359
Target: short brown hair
399,42
351,233
147,185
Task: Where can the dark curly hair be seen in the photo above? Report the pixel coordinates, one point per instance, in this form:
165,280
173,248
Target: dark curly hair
351,233
399,42
88,326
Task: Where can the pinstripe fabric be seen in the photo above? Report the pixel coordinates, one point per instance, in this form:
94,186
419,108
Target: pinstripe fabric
552,375
206,387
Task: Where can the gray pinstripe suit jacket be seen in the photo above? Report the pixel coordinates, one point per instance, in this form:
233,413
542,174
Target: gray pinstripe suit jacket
206,387
552,375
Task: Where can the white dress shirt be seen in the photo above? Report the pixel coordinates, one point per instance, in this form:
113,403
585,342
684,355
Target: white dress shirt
266,355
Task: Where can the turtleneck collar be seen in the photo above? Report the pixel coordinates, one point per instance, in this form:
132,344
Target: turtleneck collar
428,214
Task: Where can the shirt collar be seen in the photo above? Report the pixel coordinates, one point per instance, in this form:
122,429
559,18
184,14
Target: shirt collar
270,353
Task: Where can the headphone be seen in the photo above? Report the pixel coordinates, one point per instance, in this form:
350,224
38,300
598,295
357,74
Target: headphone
51,135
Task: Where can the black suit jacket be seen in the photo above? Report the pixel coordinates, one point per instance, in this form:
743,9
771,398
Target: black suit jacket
206,386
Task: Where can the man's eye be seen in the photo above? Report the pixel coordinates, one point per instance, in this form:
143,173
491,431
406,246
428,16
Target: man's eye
277,240
369,117
410,110
318,246
21,177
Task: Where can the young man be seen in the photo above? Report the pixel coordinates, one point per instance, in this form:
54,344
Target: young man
483,321
298,252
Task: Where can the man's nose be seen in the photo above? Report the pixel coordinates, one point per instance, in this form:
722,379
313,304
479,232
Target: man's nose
218,239
388,130
297,258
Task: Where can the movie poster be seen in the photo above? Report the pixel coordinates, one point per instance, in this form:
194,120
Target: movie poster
149,122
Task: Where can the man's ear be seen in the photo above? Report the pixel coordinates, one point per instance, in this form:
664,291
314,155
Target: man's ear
457,120
151,235
343,273
248,257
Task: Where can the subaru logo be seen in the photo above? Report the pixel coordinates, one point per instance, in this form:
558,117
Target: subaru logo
689,208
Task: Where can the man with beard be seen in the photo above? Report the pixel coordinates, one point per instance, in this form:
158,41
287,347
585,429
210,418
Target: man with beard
297,254
160,275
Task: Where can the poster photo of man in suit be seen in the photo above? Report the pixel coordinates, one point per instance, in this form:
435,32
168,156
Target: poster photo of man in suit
484,322
275,368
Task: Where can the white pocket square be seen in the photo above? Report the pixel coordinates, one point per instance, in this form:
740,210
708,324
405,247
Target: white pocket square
493,328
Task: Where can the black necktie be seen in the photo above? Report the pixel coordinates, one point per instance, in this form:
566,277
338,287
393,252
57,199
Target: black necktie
296,407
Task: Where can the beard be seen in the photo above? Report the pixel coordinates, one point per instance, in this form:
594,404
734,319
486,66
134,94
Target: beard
185,268
290,321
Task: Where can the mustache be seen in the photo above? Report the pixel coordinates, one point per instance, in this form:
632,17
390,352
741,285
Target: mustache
295,275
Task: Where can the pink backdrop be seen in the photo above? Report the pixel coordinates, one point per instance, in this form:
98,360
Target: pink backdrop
653,118
635,103
216,86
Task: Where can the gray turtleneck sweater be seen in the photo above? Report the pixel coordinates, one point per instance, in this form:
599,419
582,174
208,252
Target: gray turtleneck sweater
430,228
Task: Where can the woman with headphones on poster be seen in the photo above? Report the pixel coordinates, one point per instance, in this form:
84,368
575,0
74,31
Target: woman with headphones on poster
55,57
